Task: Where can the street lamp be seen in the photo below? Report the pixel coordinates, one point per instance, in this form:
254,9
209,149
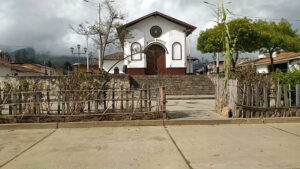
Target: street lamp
78,53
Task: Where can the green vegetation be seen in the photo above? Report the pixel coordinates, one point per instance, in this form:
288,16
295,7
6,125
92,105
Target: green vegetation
242,30
245,35
277,36
290,78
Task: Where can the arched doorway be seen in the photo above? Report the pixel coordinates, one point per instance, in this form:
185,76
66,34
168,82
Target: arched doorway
156,60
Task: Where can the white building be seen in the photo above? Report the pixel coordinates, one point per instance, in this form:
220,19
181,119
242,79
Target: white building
157,45
285,61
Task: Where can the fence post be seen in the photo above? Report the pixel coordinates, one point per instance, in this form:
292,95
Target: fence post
58,102
104,100
149,97
158,99
127,100
278,98
113,95
48,98
290,95
38,103
163,101
88,100
14,100
9,100
132,101
96,102
63,102
122,105
265,100
141,98
20,100
145,97
298,100
256,100
286,98
248,100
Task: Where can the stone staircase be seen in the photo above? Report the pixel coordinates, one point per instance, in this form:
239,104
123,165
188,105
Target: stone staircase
177,84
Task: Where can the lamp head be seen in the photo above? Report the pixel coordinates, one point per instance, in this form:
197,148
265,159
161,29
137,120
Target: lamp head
72,49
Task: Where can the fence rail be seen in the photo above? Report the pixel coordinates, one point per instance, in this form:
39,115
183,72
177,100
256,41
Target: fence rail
79,105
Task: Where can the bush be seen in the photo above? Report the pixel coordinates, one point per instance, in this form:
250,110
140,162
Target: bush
290,78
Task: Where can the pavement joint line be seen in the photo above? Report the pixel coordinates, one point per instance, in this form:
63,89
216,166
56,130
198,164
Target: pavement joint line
177,147
28,148
297,135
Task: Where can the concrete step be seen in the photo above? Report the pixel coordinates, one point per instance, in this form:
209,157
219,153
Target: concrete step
178,84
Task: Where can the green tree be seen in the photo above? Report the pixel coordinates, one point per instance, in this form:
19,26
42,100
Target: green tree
274,37
67,66
49,63
247,38
244,38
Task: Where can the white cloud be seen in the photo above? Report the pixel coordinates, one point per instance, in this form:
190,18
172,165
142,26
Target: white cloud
44,24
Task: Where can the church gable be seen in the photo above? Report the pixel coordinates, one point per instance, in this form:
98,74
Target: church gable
165,37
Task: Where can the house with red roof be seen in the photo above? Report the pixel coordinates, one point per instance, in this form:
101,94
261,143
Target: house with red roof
285,61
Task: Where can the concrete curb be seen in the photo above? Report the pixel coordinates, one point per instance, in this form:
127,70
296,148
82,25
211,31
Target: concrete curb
144,123
18,126
191,98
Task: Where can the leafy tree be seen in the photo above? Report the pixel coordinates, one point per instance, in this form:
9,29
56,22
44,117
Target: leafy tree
243,35
274,37
49,63
247,38
67,66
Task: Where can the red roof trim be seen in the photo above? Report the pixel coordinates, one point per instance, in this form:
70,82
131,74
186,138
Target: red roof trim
156,13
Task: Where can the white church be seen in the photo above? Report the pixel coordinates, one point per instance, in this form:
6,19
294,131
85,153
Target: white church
163,39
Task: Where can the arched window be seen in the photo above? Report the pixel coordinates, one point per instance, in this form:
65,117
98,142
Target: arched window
176,51
136,51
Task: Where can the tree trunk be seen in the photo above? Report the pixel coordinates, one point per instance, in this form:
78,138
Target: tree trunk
234,60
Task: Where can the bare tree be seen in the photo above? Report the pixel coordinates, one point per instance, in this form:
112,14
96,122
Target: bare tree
107,31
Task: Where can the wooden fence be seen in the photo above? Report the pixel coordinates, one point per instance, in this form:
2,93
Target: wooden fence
249,101
261,101
81,105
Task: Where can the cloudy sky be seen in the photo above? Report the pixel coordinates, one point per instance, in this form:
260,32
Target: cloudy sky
44,24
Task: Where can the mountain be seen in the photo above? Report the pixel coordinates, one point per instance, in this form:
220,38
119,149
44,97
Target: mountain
28,55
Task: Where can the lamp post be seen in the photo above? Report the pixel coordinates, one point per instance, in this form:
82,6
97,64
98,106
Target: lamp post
78,53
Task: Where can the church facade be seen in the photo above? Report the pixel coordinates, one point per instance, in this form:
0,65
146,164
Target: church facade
156,45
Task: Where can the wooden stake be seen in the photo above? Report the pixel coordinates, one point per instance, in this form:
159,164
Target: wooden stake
132,101
145,97
113,95
149,98
278,98
286,98
298,100
127,100
14,100
141,99
48,98
122,106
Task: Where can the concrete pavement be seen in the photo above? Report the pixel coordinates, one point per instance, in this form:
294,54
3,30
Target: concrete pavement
193,146
203,109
